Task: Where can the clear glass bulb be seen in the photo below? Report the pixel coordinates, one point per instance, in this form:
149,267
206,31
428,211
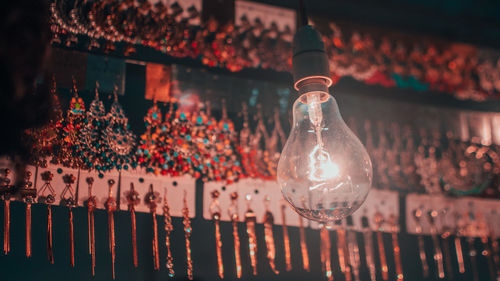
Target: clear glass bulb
324,171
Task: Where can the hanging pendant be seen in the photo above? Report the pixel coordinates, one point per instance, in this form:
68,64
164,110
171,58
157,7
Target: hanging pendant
152,199
168,230
187,235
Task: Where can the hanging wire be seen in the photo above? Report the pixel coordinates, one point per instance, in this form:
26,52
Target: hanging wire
303,20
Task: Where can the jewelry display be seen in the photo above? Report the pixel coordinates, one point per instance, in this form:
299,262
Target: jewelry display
250,221
187,235
215,210
390,62
233,214
168,230
268,222
152,199
46,195
110,205
133,200
68,199
91,205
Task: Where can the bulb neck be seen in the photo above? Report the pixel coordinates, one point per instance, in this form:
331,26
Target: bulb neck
312,84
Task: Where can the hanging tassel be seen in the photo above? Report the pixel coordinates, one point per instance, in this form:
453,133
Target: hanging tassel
473,258
286,239
369,252
110,208
447,245
50,253
5,190
71,238
379,220
417,214
6,225
215,211
269,237
396,248
486,252
353,249
303,245
132,201
91,205
326,254
28,229
438,253
250,221
460,255
341,250
68,200
233,213
28,194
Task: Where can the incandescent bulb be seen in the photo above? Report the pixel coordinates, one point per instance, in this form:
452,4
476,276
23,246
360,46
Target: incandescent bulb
324,171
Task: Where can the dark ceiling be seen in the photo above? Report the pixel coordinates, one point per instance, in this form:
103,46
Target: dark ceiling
469,21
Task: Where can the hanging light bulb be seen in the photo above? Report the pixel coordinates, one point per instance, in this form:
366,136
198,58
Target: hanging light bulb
324,170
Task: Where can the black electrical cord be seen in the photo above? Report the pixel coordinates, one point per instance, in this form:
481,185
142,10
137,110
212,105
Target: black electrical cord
303,20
